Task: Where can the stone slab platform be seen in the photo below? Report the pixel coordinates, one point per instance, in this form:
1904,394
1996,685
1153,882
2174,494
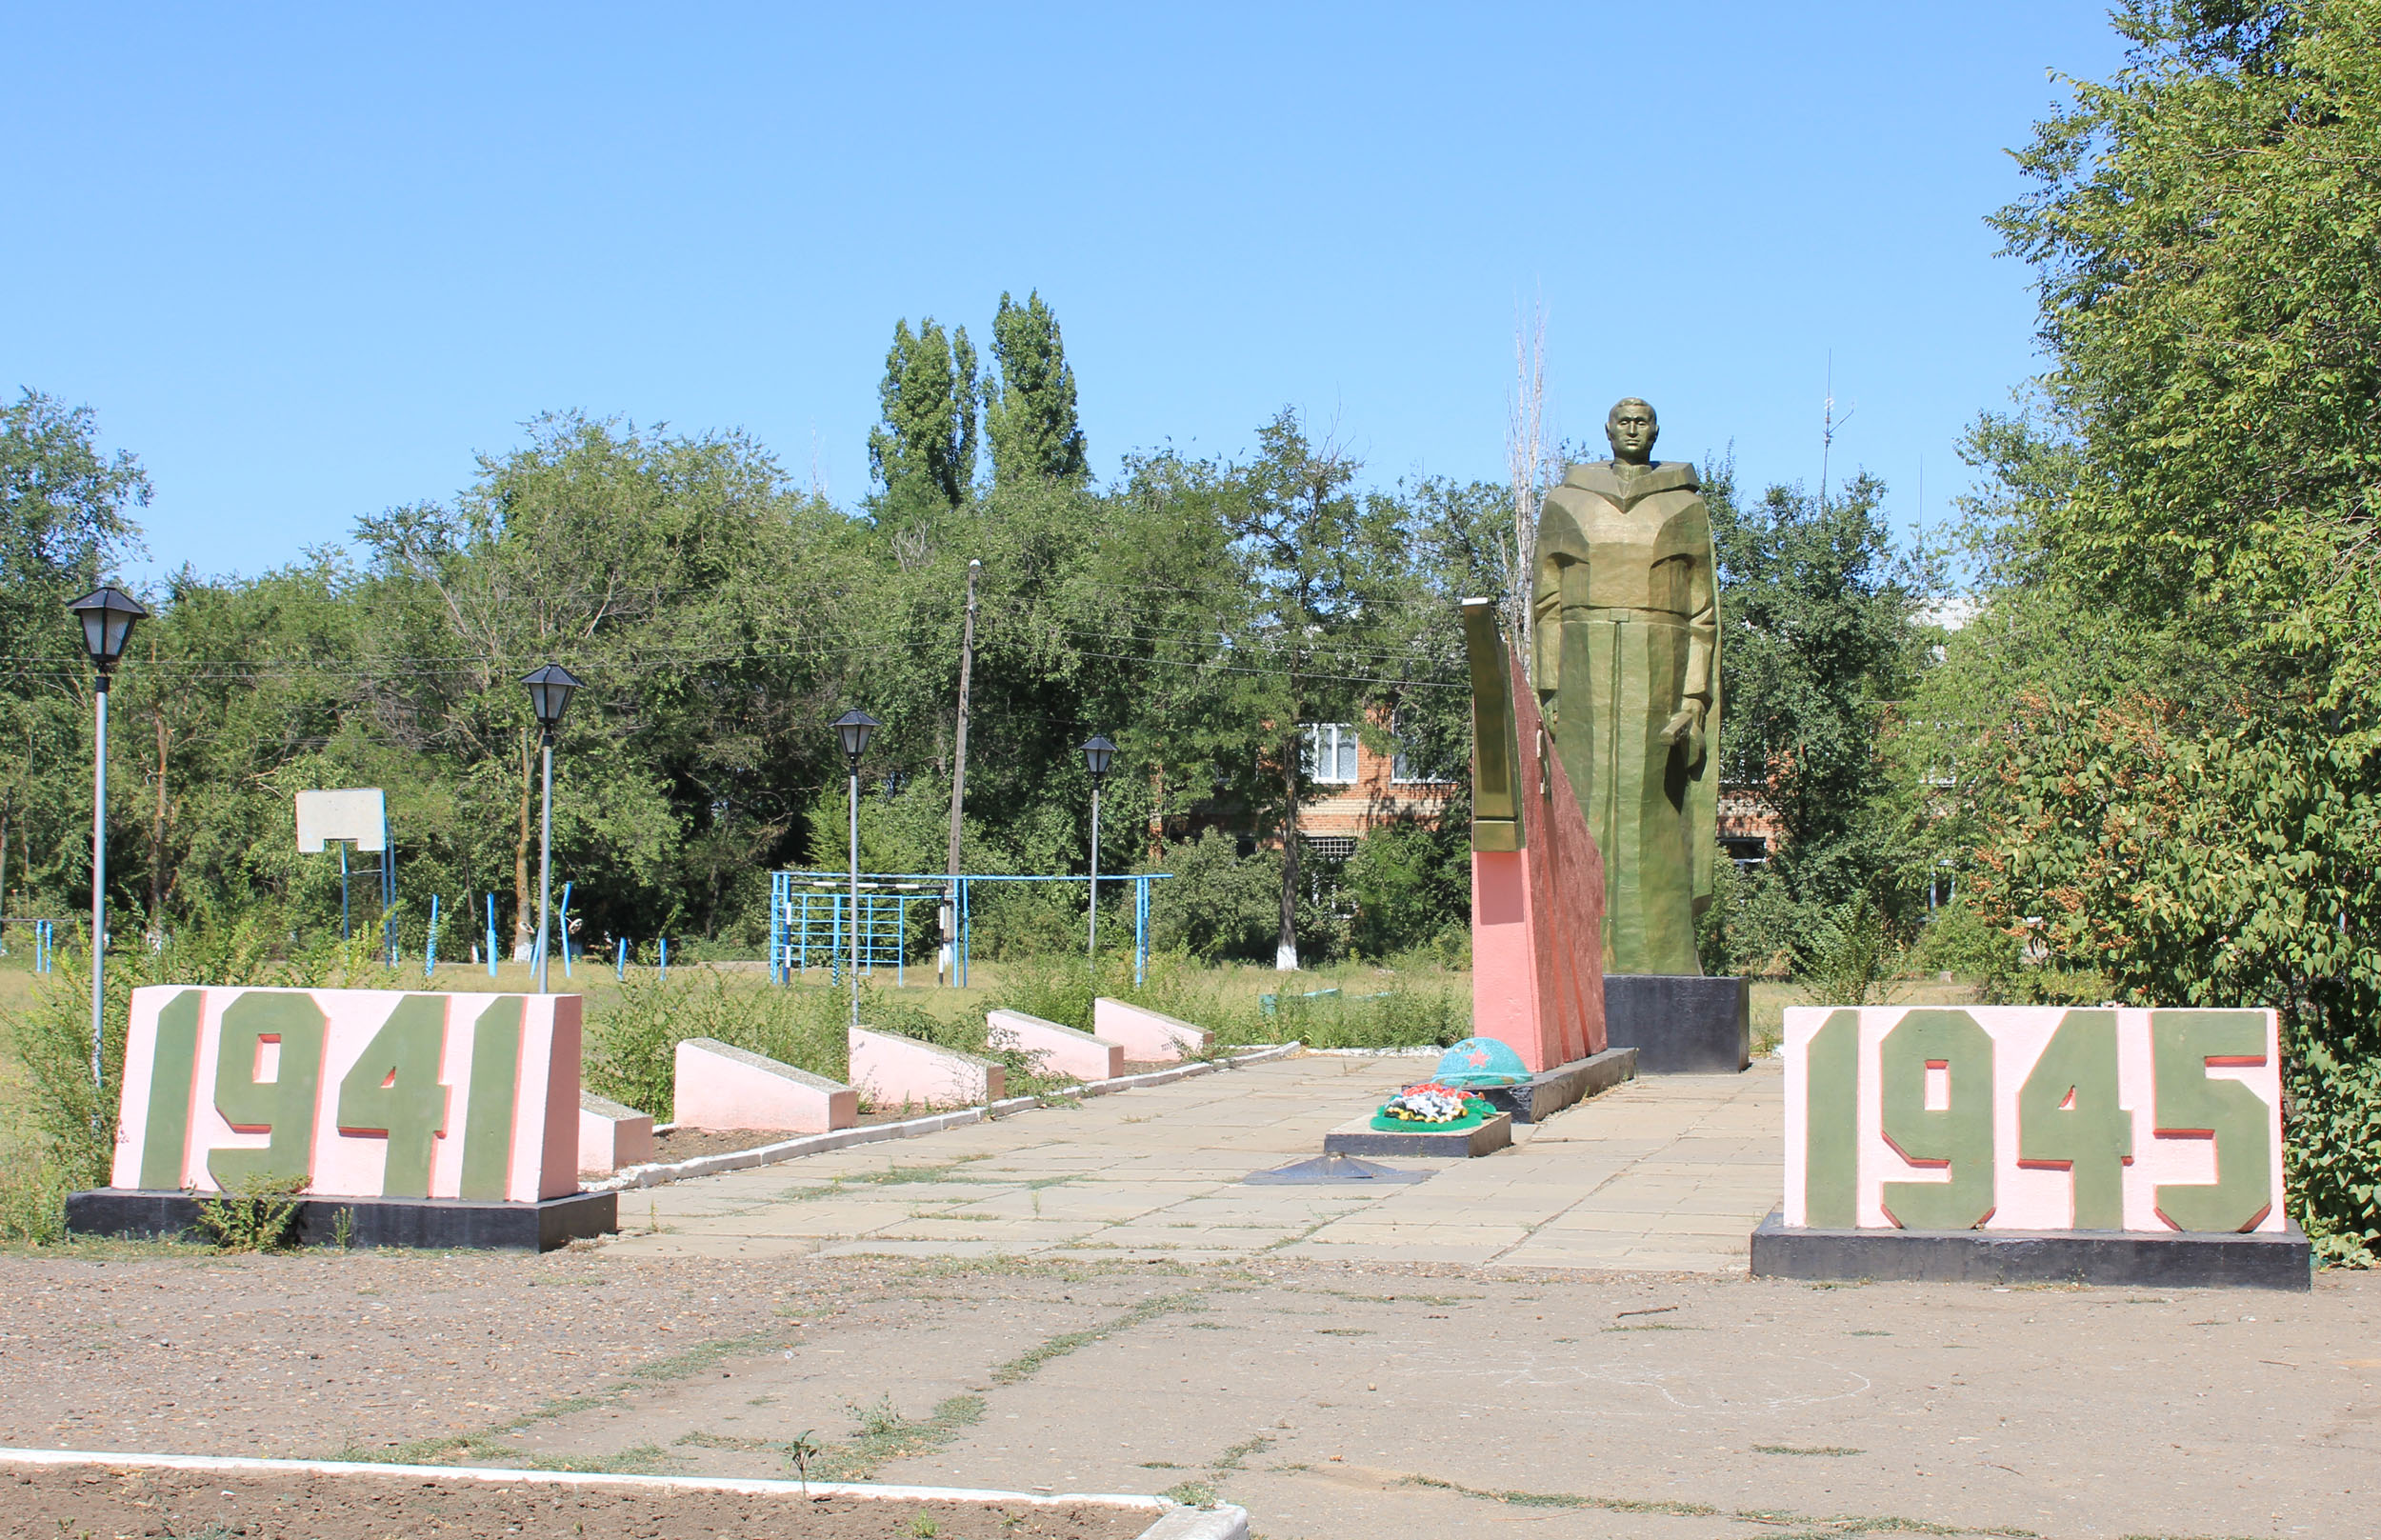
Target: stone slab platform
1545,1094
2126,1259
1358,1138
410,1222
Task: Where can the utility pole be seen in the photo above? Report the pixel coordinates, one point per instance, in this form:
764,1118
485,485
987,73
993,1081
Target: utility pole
947,964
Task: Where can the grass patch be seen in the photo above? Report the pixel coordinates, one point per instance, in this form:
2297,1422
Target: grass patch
701,1440
1030,1363
644,1460
881,1434
1192,1494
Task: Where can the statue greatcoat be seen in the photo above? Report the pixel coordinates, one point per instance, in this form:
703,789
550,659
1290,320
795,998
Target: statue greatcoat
1626,618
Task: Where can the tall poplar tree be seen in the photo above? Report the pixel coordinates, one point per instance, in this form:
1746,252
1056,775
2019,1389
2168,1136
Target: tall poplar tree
1030,406
923,454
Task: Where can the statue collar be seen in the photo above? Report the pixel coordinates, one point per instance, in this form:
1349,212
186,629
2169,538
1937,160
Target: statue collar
1662,477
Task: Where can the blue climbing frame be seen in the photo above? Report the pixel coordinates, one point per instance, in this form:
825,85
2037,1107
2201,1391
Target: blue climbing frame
806,918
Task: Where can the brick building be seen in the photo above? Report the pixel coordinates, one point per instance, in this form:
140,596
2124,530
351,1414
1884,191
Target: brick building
1358,791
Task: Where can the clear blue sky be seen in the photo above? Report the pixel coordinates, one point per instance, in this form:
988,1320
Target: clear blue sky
307,262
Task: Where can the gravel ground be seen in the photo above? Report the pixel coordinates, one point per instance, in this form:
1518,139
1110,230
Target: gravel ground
1330,1400
178,1352
49,1503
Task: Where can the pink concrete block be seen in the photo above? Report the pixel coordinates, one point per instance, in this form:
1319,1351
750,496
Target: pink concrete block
1147,1036
902,1072
720,1087
2038,1194
1537,914
1058,1050
612,1135
292,1051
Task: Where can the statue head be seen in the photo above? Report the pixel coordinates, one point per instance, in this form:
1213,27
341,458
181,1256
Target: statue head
1631,428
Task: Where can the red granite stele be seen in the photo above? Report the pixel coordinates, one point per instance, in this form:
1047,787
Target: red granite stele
1537,914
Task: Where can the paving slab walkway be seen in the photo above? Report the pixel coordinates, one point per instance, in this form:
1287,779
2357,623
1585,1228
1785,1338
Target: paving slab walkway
1668,1174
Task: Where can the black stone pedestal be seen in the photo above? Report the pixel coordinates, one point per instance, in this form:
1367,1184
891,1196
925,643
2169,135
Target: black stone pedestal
1543,1096
2121,1258
415,1222
1680,1023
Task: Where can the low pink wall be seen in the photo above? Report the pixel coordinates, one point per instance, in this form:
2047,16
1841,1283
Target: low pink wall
1060,1049
902,1072
720,1087
612,1135
1146,1034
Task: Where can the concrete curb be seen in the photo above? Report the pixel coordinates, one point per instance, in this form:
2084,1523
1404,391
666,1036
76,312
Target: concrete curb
814,1144
1175,1522
1378,1052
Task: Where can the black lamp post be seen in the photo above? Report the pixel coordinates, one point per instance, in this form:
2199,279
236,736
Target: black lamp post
1097,755
550,688
851,732
106,615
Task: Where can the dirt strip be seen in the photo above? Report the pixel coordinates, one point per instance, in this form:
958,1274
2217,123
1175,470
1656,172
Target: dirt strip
51,1502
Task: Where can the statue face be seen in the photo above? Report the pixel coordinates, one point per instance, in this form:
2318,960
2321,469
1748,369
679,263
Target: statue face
1631,430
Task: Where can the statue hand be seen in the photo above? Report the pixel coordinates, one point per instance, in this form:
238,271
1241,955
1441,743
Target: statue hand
1686,727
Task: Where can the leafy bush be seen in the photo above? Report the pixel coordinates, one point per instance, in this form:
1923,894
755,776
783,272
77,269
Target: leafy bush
1753,926
1963,943
1847,955
255,1216
32,1204
1217,904
1411,887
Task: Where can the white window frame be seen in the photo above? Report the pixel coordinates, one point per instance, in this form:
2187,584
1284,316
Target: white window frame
1340,738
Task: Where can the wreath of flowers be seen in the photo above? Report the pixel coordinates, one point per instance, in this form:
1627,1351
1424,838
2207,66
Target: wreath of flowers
1428,1102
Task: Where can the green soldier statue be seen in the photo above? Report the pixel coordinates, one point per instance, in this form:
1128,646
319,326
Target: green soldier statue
1626,614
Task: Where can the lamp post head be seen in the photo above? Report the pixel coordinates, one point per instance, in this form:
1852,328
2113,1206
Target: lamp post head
106,615
1097,755
851,730
550,688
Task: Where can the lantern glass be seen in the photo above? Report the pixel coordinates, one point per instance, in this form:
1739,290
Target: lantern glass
550,688
106,615
1097,755
853,730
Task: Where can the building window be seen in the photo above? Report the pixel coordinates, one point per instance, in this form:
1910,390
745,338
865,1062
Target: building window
1331,753
1330,847
1413,764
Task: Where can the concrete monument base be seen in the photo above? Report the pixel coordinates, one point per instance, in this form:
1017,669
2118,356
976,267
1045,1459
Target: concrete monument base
1680,1023
412,1221
1358,1138
1543,1096
2134,1259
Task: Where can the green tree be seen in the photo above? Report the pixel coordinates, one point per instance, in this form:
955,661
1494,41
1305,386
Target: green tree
65,520
1312,550
1817,639
2206,233
1029,404
923,454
